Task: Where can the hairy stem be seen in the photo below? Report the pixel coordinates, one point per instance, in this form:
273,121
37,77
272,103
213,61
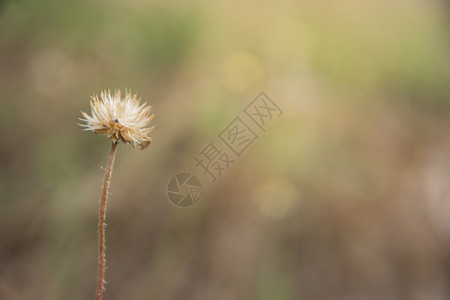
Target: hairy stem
102,224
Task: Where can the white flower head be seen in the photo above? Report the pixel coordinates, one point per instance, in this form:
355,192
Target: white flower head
122,119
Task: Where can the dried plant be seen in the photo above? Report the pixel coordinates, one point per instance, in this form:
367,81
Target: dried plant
121,119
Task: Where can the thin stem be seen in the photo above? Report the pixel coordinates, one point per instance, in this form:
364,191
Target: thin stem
102,224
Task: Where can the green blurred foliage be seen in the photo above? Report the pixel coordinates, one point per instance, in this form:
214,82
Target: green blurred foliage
343,197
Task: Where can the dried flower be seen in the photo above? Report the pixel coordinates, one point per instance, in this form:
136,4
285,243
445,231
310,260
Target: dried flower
122,119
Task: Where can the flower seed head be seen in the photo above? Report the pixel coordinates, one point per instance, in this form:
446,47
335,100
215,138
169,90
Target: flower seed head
121,119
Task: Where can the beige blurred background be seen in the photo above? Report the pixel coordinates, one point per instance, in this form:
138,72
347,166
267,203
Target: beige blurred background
346,196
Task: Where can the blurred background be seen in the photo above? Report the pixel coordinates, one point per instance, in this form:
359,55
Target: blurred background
345,196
